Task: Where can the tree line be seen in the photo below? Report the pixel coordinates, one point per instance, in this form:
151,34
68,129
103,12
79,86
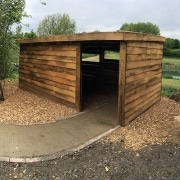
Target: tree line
172,47
172,43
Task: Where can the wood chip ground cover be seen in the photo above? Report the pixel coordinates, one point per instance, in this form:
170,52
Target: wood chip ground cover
24,108
159,124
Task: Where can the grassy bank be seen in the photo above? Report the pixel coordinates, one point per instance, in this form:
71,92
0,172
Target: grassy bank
171,60
171,67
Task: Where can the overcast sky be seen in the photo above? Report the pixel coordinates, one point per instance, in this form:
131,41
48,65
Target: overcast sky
109,15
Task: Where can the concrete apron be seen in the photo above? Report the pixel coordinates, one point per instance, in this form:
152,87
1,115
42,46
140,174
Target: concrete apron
48,141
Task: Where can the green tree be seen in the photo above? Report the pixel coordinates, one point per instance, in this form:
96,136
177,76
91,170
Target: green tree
141,27
176,44
172,43
56,24
171,47
169,43
11,12
31,34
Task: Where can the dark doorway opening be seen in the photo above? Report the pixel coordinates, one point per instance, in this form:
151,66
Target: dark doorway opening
99,73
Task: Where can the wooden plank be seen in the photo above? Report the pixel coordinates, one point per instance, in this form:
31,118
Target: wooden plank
48,67
49,87
110,73
51,53
78,79
48,58
140,94
155,51
156,45
49,47
43,92
142,88
142,75
133,72
50,82
122,83
65,75
138,64
48,43
66,95
151,101
45,76
139,103
136,50
142,57
143,50
139,83
130,36
71,65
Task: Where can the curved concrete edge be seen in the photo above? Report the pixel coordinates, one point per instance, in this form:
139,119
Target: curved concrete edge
59,154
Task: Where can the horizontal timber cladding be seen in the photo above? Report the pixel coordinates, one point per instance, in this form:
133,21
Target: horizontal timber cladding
143,68
51,69
106,71
52,66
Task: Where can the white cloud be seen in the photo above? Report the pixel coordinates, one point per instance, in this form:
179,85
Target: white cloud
109,15
171,34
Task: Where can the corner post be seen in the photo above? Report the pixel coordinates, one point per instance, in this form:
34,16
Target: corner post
122,83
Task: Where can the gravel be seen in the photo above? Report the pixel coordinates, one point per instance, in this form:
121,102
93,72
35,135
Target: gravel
102,161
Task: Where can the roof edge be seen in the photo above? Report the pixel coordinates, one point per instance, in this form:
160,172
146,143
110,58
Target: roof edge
95,36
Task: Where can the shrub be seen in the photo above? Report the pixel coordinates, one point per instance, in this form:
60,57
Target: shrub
167,91
170,52
167,76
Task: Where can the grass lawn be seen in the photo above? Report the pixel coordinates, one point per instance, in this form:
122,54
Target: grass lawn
171,83
171,60
170,86
95,58
112,55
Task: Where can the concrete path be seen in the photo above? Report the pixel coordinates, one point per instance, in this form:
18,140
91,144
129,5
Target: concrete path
48,141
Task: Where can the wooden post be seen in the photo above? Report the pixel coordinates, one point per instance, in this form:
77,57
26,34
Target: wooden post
1,92
122,83
78,78
101,59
